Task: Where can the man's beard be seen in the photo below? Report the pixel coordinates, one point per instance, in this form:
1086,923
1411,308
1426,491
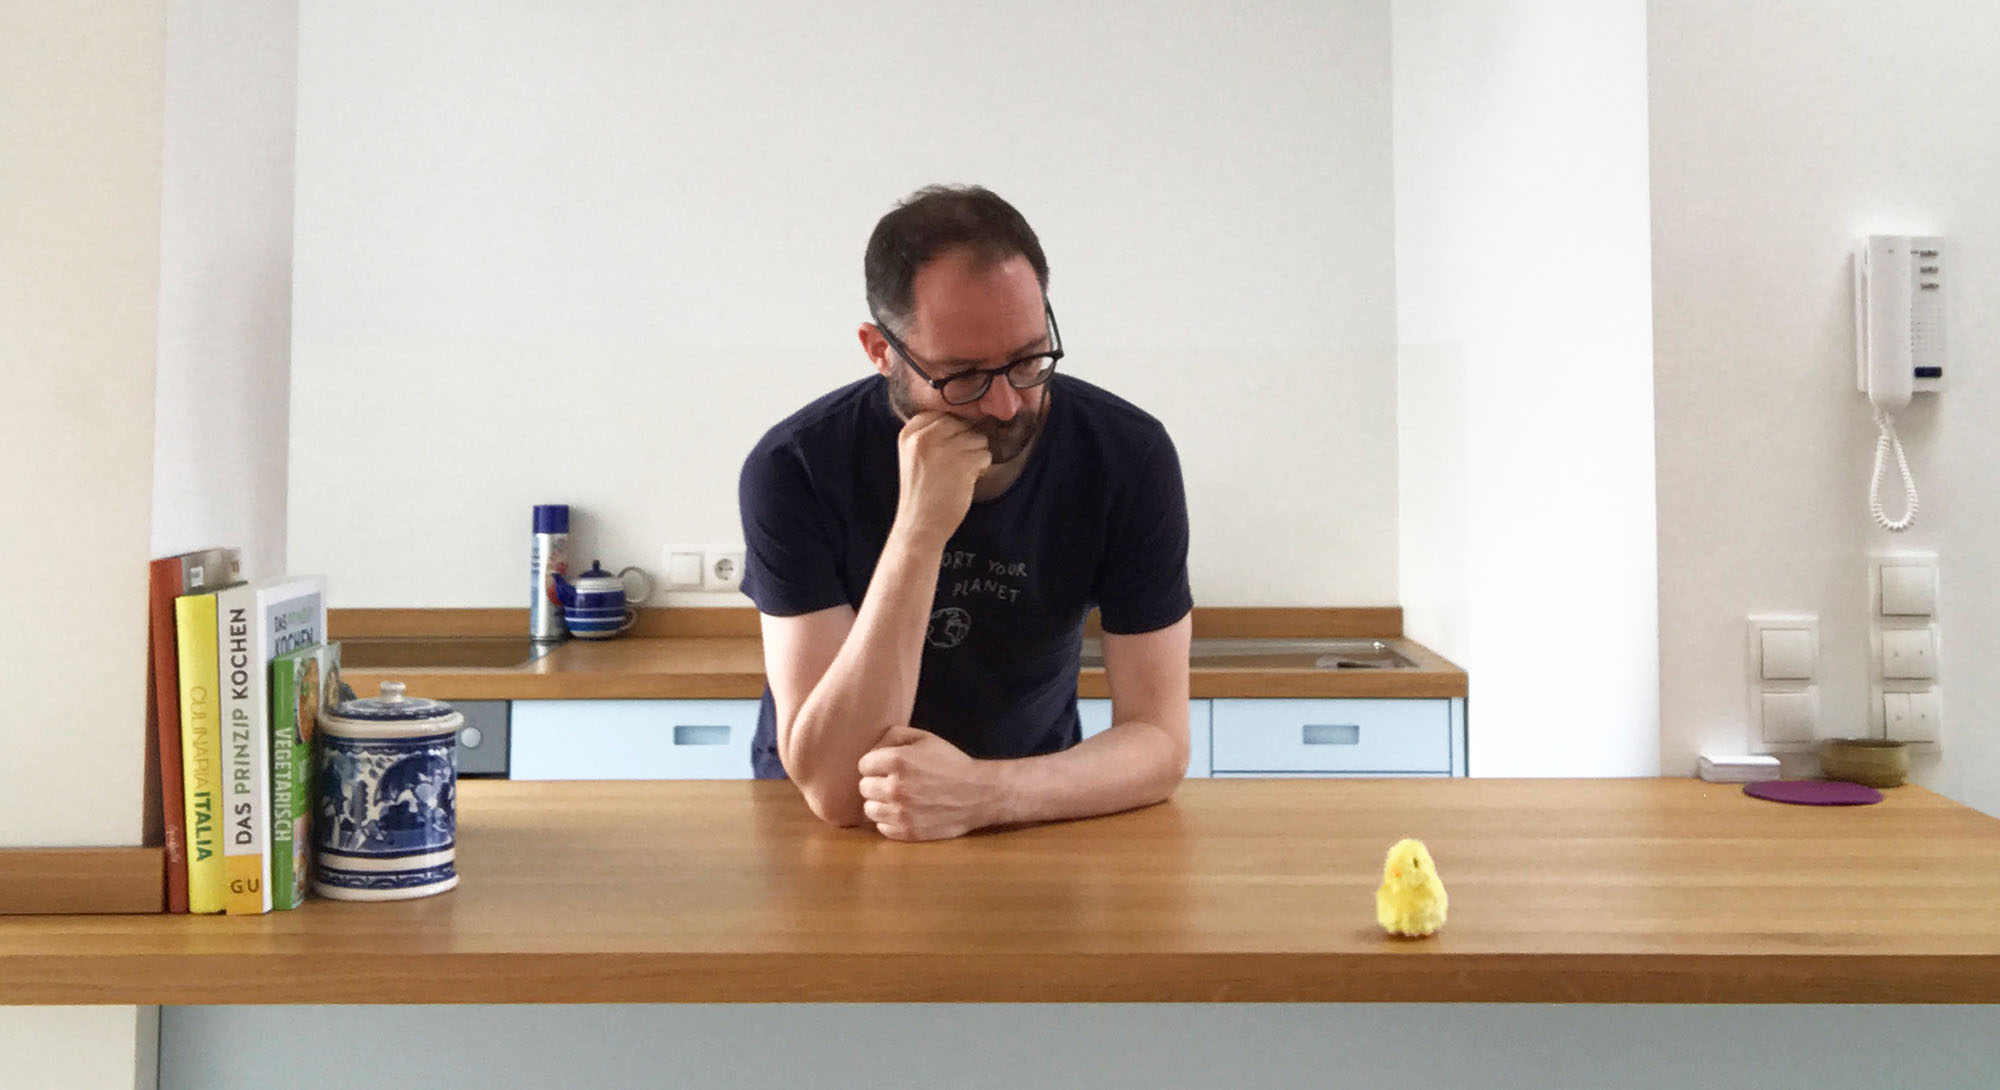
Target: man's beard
1006,440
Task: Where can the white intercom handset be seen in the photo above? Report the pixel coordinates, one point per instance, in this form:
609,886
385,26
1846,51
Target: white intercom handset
1899,345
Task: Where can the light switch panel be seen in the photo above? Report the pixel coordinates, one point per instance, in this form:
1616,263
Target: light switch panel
682,565
1782,661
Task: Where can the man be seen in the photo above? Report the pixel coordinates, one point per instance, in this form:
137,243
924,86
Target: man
924,545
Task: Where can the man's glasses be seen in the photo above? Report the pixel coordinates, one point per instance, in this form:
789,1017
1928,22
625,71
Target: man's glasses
969,386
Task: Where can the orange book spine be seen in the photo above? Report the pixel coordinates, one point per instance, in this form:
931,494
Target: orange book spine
163,719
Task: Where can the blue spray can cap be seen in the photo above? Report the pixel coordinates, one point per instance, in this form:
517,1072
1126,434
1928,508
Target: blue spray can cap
552,518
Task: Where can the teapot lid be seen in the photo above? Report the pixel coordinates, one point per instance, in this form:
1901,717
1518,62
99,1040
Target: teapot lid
604,580
392,706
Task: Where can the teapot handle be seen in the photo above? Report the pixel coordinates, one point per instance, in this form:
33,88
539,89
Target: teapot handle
645,581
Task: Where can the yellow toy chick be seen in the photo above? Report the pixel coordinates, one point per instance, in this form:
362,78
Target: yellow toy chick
1412,900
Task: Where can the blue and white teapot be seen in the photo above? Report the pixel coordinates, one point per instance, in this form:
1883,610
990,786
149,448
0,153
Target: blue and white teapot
598,605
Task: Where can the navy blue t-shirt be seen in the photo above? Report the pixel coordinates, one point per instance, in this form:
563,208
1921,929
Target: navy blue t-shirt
1098,517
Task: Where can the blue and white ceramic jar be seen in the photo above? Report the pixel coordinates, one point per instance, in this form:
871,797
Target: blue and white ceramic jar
386,817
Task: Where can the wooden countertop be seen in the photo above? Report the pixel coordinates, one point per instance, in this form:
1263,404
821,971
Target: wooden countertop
1260,890
716,654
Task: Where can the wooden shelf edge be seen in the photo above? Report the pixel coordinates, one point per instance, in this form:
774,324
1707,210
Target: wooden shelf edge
1330,622
1091,684
178,979
683,622
573,686
1280,622
82,880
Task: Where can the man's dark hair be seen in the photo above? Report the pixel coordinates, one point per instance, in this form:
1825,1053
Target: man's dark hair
932,220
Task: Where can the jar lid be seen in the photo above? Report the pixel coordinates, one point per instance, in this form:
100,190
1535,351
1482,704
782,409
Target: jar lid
392,706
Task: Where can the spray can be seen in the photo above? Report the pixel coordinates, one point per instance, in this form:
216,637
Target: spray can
548,558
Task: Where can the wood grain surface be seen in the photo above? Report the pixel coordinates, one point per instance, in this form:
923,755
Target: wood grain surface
717,654
627,668
1561,891
1284,621
1271,621
114,880
346,624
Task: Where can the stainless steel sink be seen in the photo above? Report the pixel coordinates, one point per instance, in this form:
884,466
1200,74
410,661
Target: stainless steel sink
398,653
1282,654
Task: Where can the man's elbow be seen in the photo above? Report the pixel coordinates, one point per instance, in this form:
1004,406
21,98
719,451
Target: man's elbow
1173,769
837,804
834,799
830,807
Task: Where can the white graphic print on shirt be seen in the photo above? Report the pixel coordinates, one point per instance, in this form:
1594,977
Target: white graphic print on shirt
964,574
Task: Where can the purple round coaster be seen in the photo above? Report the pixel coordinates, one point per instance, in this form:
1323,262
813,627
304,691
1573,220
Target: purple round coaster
1813,792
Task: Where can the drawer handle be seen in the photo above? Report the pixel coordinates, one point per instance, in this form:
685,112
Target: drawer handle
1333,734
701,734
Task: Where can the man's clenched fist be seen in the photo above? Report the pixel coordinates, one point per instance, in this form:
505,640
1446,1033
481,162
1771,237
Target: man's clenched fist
940,458
917,786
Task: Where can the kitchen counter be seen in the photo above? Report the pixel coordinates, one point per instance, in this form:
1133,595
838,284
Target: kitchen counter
693,654
715,654
1574,891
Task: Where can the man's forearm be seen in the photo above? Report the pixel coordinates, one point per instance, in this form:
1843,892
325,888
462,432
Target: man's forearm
871,684
1132,764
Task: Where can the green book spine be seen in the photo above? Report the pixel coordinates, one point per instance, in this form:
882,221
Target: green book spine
300,681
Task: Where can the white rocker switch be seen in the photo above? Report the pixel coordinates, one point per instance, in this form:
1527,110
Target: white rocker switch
1909,590
1789,717
1924,716
1896,716
684,570
1787,654
1909,653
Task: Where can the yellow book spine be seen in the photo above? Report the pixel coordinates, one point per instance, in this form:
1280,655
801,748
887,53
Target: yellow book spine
246,884
201,745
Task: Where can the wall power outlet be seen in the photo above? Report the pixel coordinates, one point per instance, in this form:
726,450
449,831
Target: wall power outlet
722,568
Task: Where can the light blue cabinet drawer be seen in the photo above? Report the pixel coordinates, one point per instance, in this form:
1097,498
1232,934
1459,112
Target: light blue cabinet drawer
631,739
1353,737
1096,719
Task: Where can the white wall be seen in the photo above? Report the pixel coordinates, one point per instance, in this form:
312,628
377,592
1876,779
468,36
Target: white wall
81,1048
81,85
148,266
79,264
1525,407
550,254
1779,133
226,279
